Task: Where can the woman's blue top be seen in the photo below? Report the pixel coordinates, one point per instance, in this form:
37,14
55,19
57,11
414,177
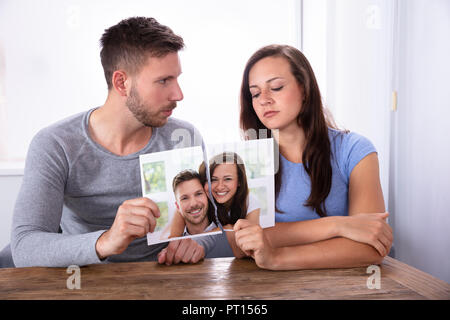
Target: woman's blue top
347,150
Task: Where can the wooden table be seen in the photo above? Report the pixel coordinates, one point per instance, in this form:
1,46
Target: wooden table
224,278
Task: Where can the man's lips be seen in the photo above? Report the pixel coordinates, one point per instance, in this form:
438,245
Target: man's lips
167,113
269,114
195,212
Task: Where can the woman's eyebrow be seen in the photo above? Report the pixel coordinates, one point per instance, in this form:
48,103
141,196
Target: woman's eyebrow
271,79
225,176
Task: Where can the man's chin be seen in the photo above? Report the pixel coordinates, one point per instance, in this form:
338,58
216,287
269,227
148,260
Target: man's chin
155,124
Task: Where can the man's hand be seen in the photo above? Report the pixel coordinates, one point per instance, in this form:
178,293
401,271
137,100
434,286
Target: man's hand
184,250
134,219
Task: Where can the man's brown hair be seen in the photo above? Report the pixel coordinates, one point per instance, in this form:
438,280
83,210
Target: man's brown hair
185,175
128,44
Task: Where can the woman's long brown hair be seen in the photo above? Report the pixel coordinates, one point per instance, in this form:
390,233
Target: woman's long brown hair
316,157
238,204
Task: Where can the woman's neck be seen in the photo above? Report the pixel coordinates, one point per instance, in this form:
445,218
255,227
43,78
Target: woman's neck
292,143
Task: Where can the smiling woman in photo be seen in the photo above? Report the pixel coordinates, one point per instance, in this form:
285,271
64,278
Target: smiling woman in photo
230,189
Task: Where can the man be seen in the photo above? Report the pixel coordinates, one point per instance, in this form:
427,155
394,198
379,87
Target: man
192,203
198,214
79,201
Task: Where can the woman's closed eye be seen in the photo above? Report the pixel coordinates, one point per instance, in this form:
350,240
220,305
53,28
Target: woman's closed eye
277,89
255,95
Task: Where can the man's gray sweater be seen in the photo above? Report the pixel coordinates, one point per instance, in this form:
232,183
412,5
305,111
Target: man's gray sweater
72,188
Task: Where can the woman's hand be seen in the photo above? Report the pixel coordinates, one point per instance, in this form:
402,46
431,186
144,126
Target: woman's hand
370,228
251,240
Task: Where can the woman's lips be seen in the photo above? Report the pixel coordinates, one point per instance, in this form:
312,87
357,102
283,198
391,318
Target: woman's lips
269,114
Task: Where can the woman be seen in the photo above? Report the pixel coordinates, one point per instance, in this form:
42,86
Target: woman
324,173
229,189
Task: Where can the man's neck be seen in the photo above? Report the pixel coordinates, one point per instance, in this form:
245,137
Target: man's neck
115,128
197,228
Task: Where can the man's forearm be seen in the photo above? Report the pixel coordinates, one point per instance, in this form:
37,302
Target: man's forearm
46,249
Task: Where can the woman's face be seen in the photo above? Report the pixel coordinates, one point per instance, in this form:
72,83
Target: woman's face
276,95
224,182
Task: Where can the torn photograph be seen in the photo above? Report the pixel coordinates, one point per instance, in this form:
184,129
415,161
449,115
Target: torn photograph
197,198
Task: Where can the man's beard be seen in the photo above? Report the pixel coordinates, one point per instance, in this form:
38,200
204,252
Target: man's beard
142,112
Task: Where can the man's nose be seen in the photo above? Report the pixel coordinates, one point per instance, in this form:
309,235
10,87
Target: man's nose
193,204
177,94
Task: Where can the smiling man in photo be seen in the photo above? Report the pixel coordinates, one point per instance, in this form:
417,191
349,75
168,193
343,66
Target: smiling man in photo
193,203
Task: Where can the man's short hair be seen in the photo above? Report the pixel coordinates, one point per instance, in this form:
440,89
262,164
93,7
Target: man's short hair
185,175
129,43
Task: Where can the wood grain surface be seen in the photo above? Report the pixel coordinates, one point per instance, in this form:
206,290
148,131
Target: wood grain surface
222,278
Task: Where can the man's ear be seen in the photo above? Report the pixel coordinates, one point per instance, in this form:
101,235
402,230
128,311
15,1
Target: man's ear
176,204
121,82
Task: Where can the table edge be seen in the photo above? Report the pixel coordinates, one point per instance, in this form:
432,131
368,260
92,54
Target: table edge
421,282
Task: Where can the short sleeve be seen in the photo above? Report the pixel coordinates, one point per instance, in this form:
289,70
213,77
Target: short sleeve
352,150
253,203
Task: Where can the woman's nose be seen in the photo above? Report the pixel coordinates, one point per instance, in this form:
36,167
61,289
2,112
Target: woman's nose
265,98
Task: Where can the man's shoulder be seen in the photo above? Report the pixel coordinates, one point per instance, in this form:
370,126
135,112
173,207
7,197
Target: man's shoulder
68,125
62,133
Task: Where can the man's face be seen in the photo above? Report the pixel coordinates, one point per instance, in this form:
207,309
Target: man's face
155,91
192,202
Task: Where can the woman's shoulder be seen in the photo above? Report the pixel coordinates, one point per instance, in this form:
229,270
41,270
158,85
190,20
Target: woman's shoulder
252,203
349,148
348,141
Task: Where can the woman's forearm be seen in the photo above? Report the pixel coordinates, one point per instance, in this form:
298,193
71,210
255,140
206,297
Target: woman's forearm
332,253
177,225
285,234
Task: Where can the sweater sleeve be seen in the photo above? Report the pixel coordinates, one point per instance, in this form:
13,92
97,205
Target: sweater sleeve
35,240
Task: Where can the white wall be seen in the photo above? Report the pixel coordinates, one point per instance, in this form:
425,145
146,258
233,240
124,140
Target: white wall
9,188
364,50
420,177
